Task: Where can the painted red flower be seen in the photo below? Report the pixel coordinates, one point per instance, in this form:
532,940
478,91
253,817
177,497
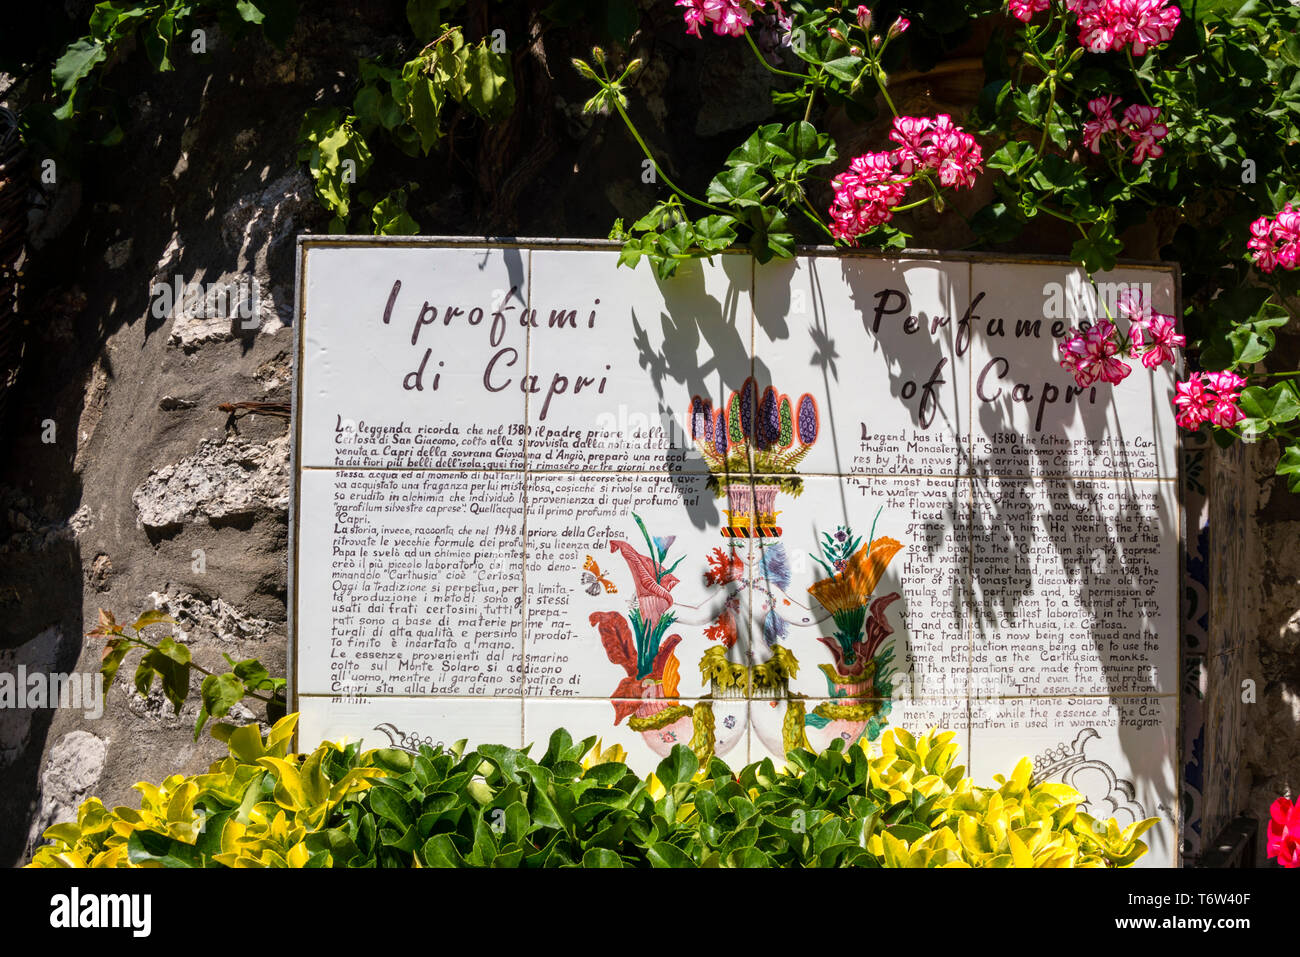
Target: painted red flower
620,646
652,590
724,568
876,630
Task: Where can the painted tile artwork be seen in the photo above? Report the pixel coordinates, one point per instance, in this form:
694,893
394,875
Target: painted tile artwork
747,509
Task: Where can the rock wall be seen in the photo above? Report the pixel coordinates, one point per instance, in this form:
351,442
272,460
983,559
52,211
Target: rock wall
1270,643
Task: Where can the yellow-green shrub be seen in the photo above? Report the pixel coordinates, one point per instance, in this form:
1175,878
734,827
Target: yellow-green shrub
580,806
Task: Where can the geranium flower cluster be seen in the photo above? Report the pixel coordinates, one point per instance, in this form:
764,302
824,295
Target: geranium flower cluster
1141,125
1284,832
865,195
729,18
1208,397
1136,25
1276,241
939,145
1094,354
1112,24
867,192
1098,354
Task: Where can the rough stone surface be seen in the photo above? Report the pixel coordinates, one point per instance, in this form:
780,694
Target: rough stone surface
40,654
72,768
214,618
221,480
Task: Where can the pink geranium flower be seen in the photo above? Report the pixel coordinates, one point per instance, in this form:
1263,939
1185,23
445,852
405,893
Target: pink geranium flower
1191,402
1152,335
1094,355
1143,126
1136,25
693,15
1276,242
1102,123
1208,397
874,183
1025,9
1158,337
865,195
729,18
1284,832
936,144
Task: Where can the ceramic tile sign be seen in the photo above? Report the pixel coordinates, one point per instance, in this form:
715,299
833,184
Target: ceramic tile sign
747,509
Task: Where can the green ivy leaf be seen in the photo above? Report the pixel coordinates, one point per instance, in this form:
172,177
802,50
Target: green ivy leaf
74,66
490,89
740,186
1011,157
1098,250
661,216
844,68
1289,465
771,234
715,233
390,217
427,16
633,250
1269,407
677,241
1251,341
756,151
249,12
115,652
804,147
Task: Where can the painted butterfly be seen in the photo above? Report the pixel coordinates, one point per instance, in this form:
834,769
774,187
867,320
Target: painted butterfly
593,578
